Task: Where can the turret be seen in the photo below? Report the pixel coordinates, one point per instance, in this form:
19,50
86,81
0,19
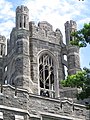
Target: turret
22,60
72,51
19,67
22,17
2,54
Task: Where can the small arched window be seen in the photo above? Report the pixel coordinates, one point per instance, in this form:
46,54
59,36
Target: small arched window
20,21
46,76
24,21
1,49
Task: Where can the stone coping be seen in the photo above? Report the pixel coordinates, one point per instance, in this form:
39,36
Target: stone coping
18,110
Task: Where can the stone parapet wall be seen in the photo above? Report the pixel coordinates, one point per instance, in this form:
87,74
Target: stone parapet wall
18,101
45,32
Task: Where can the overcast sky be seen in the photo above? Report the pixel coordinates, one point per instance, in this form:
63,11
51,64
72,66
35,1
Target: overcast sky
56,12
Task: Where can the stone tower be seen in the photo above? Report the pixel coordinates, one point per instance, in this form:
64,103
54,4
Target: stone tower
18,51
35,55
2,55
72,51
35,52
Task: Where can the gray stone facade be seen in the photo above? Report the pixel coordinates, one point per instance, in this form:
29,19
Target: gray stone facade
31,71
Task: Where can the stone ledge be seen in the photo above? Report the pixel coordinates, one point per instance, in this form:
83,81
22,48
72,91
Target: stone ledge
56,116
18,110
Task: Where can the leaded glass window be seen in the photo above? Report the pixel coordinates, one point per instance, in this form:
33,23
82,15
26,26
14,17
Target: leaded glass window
46,76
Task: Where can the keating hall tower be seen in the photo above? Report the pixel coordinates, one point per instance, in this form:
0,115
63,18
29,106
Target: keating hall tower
31,71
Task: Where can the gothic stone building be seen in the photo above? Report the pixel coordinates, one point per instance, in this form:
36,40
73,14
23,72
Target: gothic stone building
31,71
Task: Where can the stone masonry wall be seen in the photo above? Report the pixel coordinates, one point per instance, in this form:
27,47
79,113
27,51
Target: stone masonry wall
23,103
36,47
44,31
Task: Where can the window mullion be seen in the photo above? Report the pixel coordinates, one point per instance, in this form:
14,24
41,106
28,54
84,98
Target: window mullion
43,73
49,84
51,62
49,72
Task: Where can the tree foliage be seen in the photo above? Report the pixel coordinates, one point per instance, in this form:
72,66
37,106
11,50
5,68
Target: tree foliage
80,80
74,80
82,36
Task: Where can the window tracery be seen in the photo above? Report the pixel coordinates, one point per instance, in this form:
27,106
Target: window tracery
46,76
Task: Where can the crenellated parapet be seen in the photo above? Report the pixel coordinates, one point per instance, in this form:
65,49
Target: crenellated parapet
22,17
70,26
2,39
44,31
45,26
73,25
22,9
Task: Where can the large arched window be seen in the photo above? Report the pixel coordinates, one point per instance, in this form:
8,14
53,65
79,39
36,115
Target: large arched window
46,76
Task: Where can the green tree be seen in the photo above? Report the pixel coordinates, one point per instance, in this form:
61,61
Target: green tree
80,80
82,36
